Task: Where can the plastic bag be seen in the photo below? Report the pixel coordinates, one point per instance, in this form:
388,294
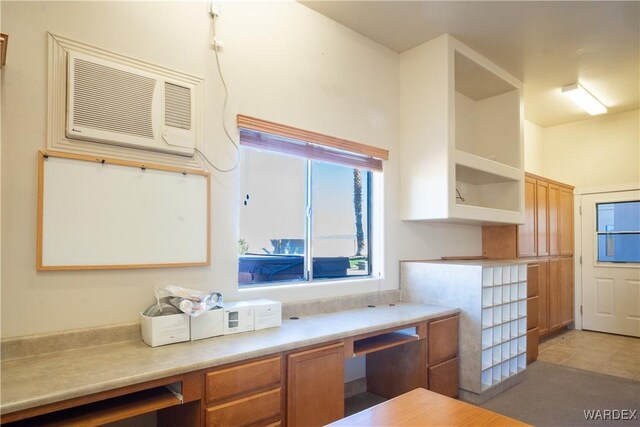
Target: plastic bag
190,301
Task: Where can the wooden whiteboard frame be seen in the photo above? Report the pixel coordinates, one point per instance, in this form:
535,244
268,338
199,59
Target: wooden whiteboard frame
42,155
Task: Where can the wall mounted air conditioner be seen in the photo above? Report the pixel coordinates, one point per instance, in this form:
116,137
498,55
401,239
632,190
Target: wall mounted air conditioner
113,103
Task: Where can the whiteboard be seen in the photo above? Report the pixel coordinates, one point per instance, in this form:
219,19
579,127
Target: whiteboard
98,213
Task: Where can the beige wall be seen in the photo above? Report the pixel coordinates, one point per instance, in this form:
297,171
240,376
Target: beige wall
596,152
533,148
282,61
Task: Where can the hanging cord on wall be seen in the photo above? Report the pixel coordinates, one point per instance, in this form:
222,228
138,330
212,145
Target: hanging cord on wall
459,197
216,46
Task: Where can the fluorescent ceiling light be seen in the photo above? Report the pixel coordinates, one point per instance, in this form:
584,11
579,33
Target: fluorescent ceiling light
584,99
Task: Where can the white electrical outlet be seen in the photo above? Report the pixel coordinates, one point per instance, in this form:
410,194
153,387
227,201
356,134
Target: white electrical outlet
214,9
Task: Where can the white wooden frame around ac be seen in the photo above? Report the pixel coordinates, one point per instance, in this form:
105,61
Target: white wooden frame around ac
59,47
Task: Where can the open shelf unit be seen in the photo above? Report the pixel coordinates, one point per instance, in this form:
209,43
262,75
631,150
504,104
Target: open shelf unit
504,323
462,147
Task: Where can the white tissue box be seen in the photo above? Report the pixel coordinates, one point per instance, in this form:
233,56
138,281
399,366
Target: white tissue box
163,330
208,324
244,316
238,317
267,313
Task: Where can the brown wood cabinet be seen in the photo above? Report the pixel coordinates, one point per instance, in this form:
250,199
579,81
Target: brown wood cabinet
543,297
443,378
299,387
527,239
532,345
554,294
315,386
112,406
256,409
442,339
553,211
547,239
542,218
533,279
442,356
560,293
565,221
565,279
532,313
437,351
230,382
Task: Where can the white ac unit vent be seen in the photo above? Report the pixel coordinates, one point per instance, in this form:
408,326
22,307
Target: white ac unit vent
118,104
177,106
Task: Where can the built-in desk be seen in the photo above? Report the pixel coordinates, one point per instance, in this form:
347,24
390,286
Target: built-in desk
115,381
422,407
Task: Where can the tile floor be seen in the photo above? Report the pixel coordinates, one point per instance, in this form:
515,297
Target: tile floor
594,351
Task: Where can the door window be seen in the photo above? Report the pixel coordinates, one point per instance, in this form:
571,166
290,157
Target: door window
618,231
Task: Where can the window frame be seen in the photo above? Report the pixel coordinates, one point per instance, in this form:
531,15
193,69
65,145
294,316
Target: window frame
308,276
309,223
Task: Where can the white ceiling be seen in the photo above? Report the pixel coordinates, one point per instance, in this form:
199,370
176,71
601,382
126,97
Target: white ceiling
545,44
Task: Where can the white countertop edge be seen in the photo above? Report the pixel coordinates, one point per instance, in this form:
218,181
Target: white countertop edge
484,262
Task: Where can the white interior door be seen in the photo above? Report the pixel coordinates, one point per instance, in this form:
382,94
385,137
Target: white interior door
610,269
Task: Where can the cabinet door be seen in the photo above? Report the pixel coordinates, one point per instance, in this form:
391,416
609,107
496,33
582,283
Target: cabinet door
553,200
532,312
566,291
554,294
527,241
533,279
500,241
542,217
315,386
565,220
543,297
532,345
443,378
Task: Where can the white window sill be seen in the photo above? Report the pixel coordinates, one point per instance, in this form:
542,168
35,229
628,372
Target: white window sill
301,291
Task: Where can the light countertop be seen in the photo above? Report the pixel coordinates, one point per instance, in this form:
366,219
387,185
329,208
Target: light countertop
38,380
483,262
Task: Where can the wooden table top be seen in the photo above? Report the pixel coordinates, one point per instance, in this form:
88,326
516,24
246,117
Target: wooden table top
422,407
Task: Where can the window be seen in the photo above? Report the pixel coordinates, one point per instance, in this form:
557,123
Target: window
618,231
305,211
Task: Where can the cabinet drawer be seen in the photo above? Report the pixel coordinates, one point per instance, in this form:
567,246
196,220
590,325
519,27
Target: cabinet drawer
532,312
260,409
443,378
242,379
442,340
